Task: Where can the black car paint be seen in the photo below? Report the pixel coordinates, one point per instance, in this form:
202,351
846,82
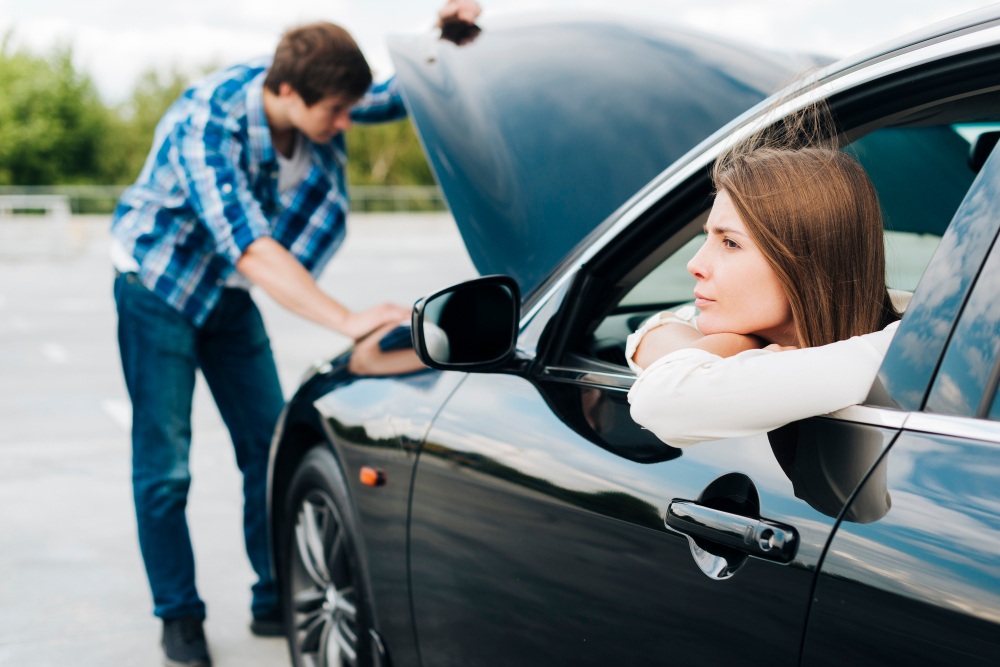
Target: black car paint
555,547
378,422
558,553
922,586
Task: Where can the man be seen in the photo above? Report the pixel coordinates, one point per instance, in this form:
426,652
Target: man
244,185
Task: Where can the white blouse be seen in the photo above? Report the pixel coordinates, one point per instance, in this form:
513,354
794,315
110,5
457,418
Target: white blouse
692,395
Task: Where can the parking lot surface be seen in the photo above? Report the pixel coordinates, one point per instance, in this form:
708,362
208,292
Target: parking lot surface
72,587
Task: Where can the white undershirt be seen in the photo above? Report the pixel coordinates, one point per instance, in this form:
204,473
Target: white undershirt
692,395
291,171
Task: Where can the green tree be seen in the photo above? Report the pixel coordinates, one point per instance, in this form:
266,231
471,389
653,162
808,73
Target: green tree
52,121
386,154
55,130
125,148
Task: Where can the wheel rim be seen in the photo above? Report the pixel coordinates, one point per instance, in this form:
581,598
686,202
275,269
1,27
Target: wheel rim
323,588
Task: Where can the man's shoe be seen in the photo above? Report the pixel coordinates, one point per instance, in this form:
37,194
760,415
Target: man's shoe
271,625
184,643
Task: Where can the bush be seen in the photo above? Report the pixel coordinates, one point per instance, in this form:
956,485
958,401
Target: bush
52,121
386,154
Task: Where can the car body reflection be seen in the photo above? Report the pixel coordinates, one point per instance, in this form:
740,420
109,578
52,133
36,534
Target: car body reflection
927,574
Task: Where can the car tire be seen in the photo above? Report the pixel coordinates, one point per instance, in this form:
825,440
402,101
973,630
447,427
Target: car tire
326,615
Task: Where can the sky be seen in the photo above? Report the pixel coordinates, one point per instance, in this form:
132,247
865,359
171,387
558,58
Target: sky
116,40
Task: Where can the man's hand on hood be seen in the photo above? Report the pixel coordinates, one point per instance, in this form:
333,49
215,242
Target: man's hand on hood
466,11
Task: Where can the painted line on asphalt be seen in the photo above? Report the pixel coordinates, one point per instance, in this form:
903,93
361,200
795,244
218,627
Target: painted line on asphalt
120,411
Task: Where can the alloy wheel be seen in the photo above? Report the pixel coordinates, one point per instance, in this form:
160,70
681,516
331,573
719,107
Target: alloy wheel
324,591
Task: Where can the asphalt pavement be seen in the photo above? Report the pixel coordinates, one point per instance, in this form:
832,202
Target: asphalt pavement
72,587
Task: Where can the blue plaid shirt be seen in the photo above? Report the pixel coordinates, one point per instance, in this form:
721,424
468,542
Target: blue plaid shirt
209,189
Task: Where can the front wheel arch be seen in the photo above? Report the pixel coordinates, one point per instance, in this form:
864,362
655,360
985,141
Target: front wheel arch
317,480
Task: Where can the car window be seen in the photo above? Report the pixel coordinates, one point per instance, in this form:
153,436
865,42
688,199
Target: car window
669,282
994,412
921,175
966,371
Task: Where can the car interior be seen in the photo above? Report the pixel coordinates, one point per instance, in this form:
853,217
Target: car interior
922,163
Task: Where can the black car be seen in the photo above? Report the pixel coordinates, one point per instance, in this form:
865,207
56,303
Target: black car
503,508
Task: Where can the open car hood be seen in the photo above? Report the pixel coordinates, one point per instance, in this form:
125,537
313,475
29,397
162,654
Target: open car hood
539,129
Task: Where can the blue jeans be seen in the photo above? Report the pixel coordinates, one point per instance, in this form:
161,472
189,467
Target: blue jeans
160,352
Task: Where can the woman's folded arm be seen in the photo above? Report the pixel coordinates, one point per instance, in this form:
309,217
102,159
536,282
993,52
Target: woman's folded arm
692,395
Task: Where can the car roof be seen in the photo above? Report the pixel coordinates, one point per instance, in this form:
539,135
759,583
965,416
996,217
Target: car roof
949,28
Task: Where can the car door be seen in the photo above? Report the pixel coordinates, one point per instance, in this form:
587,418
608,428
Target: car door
921,585
539,538
547,528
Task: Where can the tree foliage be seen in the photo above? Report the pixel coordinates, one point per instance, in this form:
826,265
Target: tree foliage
134,123
56,130
386,154
52,122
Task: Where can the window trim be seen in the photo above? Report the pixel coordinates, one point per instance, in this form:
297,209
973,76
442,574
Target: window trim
968,428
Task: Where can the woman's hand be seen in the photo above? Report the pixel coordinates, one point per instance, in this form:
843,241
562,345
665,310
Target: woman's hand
774,347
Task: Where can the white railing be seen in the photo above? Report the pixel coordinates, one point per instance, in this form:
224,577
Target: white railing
34,224
364,198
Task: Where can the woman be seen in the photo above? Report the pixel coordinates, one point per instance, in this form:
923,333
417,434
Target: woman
795,314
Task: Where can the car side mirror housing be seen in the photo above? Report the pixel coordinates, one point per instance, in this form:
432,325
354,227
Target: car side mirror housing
471,326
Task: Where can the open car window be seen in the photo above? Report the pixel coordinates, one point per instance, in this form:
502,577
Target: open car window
921,175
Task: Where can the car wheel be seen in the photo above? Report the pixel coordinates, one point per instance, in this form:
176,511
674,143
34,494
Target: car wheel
326,619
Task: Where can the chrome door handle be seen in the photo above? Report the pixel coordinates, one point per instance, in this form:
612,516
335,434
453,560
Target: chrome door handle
758,537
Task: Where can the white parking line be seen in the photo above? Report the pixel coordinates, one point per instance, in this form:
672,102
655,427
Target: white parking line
120,411
55,353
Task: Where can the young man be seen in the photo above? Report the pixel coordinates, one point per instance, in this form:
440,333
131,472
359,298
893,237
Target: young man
244,185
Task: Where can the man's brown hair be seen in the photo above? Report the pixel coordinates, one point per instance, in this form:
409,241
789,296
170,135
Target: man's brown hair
318,60
815,215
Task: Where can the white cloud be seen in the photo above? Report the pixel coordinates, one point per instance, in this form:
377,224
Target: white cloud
117,39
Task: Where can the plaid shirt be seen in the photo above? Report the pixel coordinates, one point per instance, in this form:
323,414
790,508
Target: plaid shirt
209,189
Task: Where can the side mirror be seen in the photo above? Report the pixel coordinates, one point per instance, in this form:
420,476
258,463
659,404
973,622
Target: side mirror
471,326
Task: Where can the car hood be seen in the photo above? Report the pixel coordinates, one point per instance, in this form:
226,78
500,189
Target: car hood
540,128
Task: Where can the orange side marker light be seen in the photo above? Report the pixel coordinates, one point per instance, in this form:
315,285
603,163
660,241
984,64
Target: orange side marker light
372,476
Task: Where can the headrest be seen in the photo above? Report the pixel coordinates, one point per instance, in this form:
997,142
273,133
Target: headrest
981,149
900,299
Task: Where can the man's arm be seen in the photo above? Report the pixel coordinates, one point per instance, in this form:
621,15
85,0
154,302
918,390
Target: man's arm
269,265
381,104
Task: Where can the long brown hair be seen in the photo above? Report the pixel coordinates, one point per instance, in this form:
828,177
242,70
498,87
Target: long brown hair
815,215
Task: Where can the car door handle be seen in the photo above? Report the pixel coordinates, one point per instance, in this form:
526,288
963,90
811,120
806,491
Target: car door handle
759,537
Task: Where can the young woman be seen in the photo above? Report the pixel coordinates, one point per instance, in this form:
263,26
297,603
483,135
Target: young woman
795,316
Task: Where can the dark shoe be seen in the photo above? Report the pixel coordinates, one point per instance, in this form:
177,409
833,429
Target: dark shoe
271,625
184,643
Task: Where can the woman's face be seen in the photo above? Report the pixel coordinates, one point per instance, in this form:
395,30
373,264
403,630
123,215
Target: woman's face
737,291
